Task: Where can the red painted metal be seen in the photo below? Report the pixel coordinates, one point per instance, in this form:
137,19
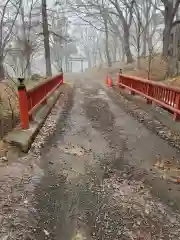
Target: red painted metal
23,107
110,82
30,100
107,80
166,96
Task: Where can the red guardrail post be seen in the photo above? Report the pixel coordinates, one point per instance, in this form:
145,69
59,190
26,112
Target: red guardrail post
23,104
133,85
149,93
119,78
62,80
45,92
176,116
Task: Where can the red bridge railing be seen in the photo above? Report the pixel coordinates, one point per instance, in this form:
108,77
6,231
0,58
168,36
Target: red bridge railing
30,100
165,96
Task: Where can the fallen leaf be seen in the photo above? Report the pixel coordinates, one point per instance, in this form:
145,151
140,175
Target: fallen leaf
46,232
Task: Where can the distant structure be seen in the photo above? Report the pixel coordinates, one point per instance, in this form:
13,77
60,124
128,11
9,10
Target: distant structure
75,63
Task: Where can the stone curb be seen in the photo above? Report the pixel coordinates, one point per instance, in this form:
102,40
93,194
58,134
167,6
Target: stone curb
24,138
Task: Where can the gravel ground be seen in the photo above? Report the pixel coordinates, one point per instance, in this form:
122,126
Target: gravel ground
163,131
89,176
18,179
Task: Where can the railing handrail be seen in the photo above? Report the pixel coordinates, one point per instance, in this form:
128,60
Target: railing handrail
32,89
31,99
166,96
175,89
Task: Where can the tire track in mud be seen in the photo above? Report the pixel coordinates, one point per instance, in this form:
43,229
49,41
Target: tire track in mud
71,208
94,202
102,119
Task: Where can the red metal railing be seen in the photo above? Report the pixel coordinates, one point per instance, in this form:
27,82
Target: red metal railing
30,100
165,96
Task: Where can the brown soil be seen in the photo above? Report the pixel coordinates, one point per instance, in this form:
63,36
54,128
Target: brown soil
157,70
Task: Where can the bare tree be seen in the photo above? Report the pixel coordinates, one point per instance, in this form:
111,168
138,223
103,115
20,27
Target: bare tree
98,11
123,23
169,14
124,10
104,13
29,41
149,23
46,39
9,14
26,40
138,26
151,56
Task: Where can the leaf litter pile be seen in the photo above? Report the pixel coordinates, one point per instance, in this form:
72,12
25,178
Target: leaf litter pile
140,215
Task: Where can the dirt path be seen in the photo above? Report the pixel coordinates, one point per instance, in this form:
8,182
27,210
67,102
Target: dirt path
96,180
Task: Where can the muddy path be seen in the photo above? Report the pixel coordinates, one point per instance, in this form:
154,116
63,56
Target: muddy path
93,178
98,180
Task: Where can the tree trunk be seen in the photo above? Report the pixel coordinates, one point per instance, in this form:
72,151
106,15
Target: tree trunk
89,63
88,58
138,59
2,72
107,46
144,51
28,67
28,71
169,15
94,58
127,46
123,55
150,44
145,9
107,54
138,52
100,55
114,49
46,39
115,54
166,37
